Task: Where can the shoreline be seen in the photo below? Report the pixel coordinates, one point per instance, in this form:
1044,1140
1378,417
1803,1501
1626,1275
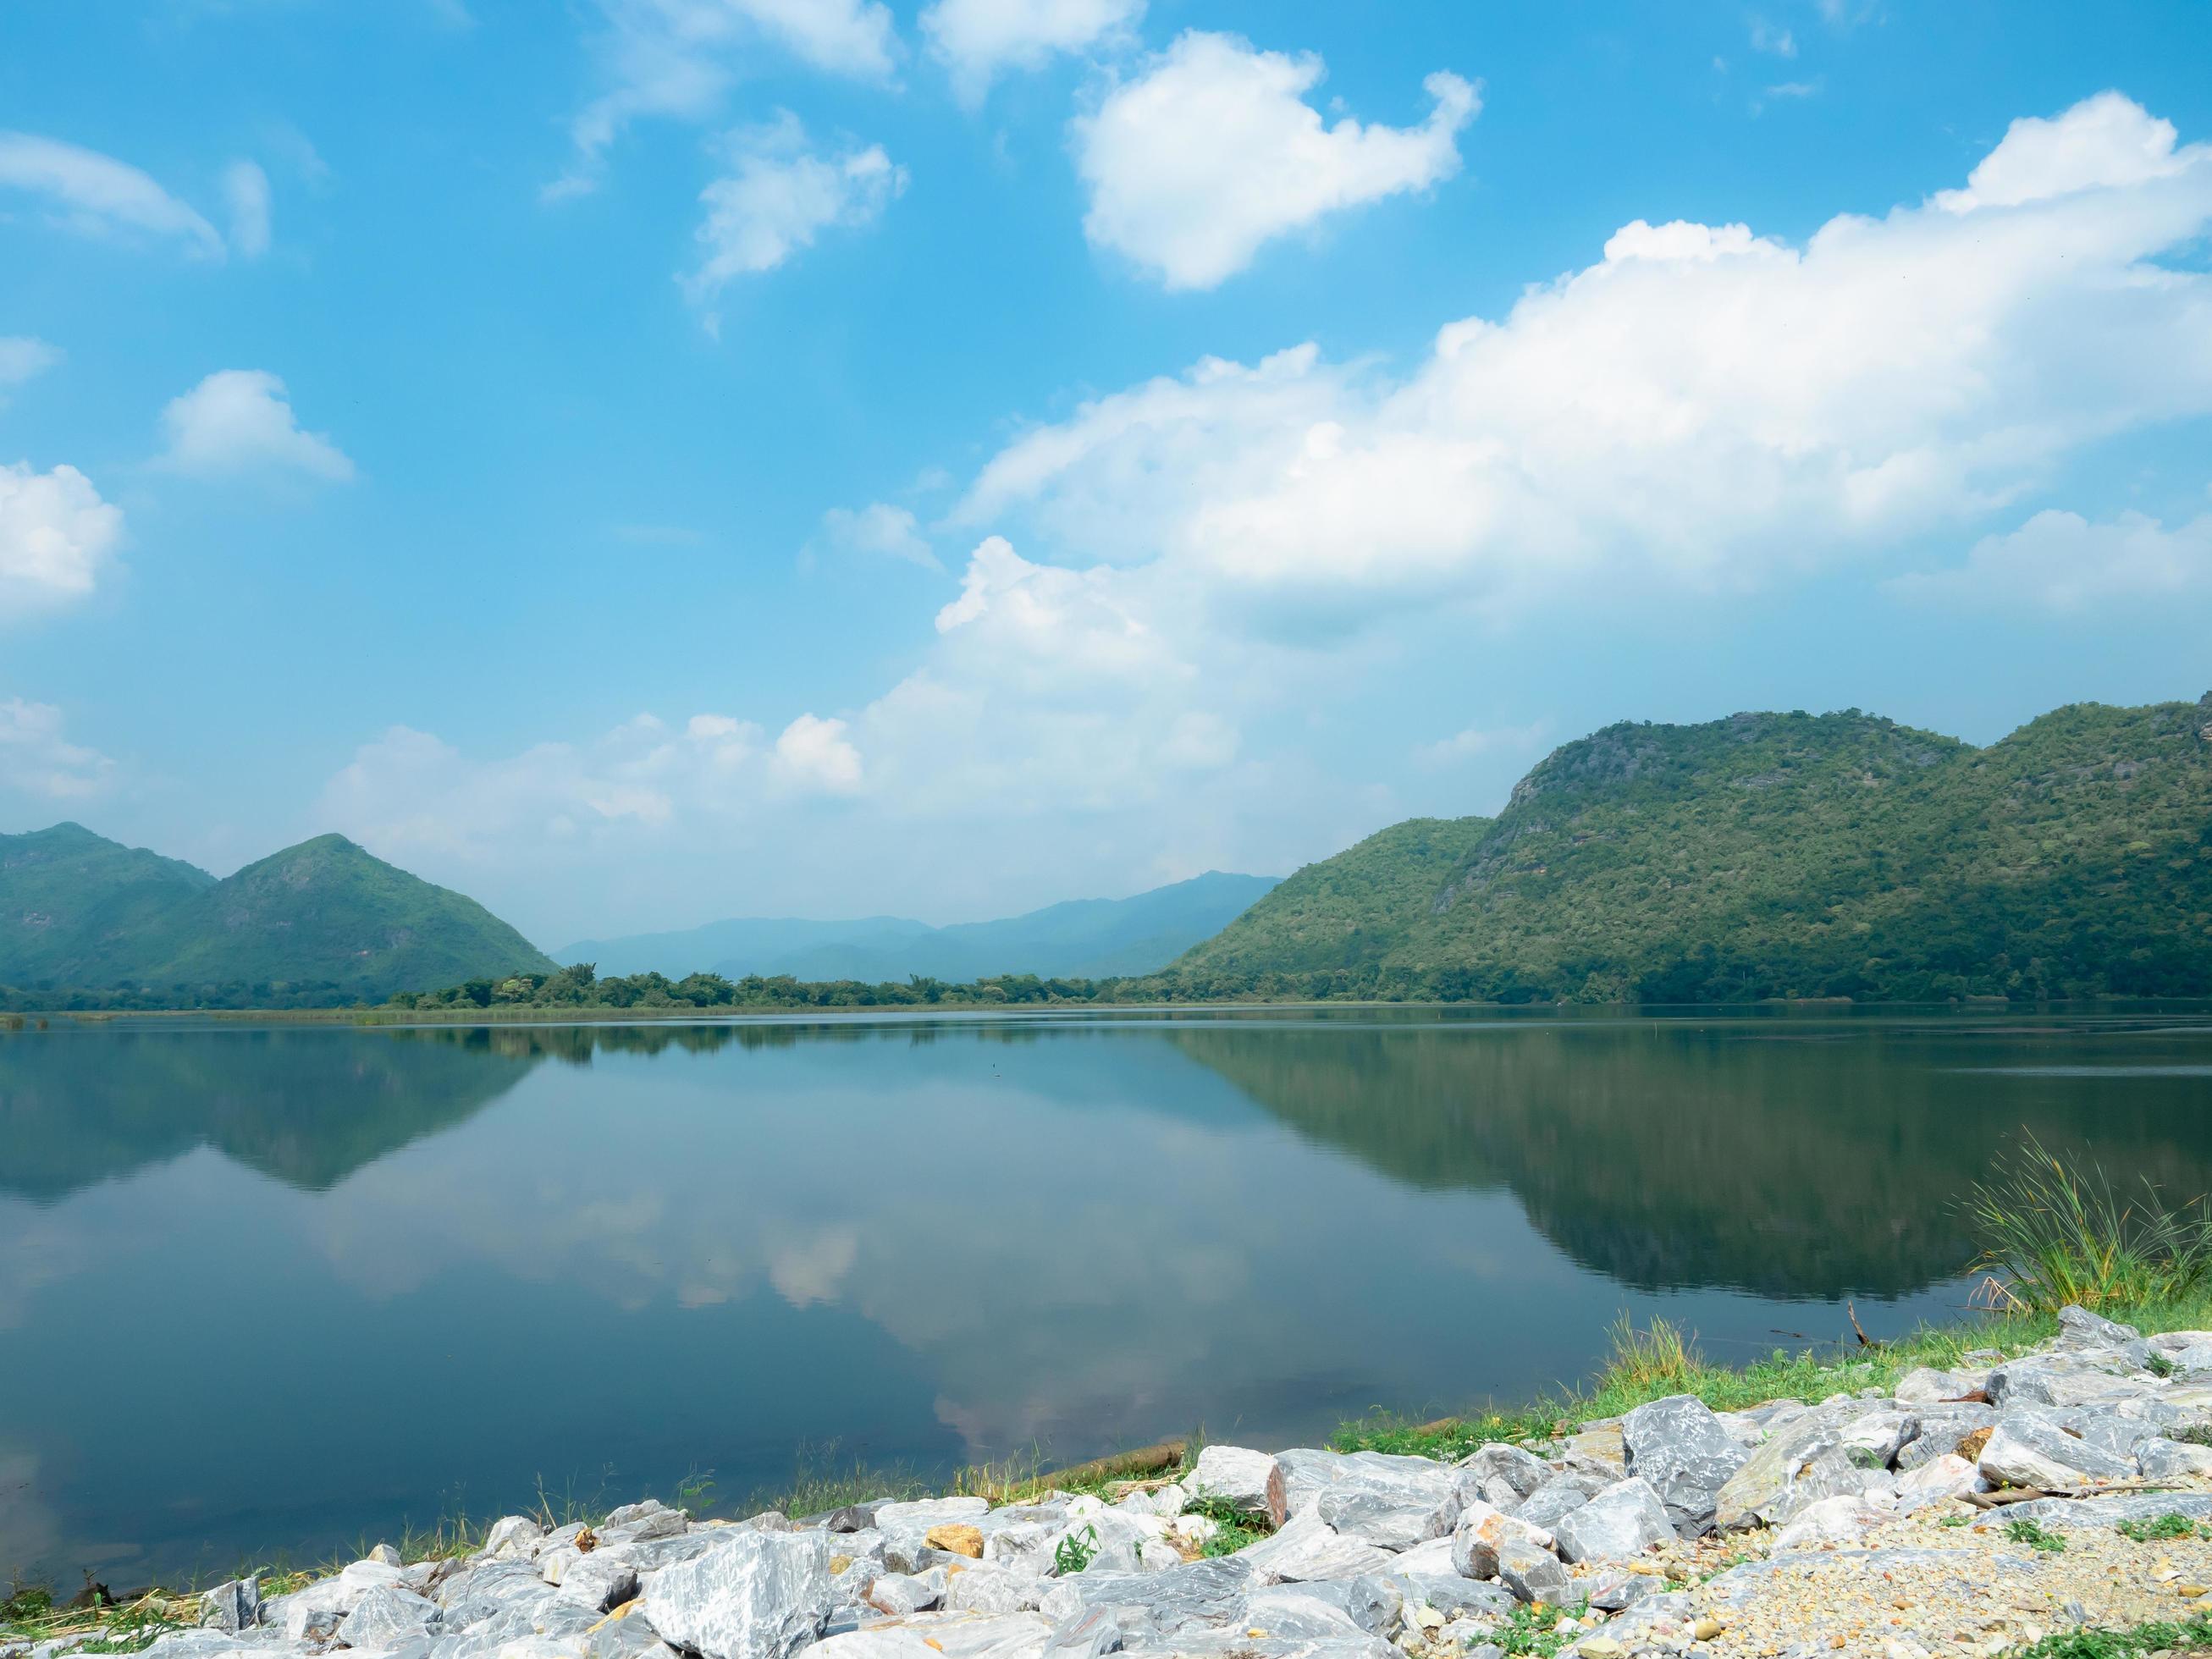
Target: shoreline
1987,1508
384,1016
1654,1365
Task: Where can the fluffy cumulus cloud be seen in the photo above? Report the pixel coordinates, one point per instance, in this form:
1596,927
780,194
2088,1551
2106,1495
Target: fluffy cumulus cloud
56,535
97,195
414,795
879,528
813,755
675,59
1702,406
36,759
2060,562
979,39
1213,151
779,196
240,421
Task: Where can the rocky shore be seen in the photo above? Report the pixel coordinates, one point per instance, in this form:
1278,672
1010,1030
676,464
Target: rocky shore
1882,1524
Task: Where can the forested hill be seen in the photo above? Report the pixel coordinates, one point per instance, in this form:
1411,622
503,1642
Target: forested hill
1780,855
321,922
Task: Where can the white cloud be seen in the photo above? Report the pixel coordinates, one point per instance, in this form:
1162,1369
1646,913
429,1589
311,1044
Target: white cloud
55,534
23,358
674,59
1703,406
245,186
97,195
1475,741
1765,37
2060,562
2103,142
35,759
778,196
1213,151
979,39
413,795
239,421
879,528
813,754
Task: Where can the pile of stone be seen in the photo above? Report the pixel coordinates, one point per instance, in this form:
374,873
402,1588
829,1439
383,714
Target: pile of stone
1597,1538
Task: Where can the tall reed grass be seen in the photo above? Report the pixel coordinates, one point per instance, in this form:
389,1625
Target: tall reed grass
2053,1232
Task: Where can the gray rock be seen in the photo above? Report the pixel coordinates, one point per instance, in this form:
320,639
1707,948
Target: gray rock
1808,1447
1502,1475
889,1642
629,1514
1681,1451
387,1616
1533,1574
1151,1607
1941,1428
1616,1592
899,1594
854,1518
511,1535
1559,1496
1923,1385
1250,1482
1386,1519
922,1514
755,1595
1308,1547
2079,1328
2032,1451
1483,1533
1083,1634
600,1581
1874,1439
1323,1611
1453,1596
234,1606
2072,1512
1623,1520
629,1638
1307,1474
990,1590
2159,1458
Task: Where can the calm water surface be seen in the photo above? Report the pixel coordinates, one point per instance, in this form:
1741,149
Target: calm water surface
271,1288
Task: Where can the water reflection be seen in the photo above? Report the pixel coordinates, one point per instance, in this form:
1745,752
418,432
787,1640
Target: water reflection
487,1255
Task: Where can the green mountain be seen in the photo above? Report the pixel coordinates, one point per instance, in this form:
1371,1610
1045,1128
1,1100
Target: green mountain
320,922
1082,939
1780,855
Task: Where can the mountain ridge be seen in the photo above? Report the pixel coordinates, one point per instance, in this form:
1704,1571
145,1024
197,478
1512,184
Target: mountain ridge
1775,855
1074,938
324,920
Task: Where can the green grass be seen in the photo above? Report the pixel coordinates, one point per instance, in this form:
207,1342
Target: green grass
2190,1636
2159,1530
2035,1536
1647,1365
1532,1628
2053,1233
1237,1528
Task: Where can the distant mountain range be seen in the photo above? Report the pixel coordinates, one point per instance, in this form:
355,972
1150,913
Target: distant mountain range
1775,854
1083,939
323,921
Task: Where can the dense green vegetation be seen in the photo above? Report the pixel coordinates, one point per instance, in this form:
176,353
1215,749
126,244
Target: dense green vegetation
1779,855
87,923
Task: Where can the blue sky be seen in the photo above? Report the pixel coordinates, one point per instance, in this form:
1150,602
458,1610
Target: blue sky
645,460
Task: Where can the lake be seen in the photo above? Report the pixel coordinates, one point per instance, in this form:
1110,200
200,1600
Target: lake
275,1289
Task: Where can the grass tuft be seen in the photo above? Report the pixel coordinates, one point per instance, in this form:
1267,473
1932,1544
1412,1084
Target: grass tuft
2053,1233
